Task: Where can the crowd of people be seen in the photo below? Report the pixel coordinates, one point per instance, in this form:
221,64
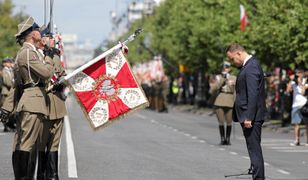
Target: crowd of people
280,85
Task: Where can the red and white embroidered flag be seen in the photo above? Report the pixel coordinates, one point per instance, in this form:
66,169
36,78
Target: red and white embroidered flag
107,90
243,18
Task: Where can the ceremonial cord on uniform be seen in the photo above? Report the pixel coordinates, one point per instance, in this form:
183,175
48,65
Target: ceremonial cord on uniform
28,64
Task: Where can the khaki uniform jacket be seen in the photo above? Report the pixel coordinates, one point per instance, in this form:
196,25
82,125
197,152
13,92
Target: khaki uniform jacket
226,95
8,79
57,108
33,70
8,102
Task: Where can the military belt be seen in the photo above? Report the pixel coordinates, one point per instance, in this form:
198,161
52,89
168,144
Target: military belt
227,92
34,85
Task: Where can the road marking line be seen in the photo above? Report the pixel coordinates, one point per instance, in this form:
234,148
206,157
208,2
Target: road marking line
139,115
295,150
276,140
71,159
221,149
176,130
193,137
233,153
186,134
282,148
272,144
245,157
59,153
266,164
283,171
201,141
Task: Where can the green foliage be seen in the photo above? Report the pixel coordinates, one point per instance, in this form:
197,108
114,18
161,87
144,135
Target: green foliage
195,33
8,27
280,32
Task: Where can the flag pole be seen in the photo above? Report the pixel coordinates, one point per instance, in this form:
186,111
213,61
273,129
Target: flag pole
51,17
118,46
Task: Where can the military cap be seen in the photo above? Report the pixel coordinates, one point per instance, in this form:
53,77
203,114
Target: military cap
9,60
26,25
227,64
45,30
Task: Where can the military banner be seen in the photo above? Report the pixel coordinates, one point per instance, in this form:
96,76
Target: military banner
107,90
148,71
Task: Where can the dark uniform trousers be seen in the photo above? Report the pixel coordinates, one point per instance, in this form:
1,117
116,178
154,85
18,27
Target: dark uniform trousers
253,142
49,140
50,135
28,127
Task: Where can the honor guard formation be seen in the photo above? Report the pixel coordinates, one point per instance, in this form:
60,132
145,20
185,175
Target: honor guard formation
33,102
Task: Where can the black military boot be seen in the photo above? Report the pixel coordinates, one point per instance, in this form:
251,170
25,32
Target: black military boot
52,166
15,157
21,163
32,164
222,134
41,167
228,134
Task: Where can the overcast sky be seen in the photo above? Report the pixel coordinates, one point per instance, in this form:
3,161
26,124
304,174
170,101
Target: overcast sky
89,19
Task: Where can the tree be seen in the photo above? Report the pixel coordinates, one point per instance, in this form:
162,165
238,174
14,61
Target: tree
195,33
8,27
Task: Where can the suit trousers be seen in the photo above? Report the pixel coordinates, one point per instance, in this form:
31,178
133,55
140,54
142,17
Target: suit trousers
50,135
28,126
253,142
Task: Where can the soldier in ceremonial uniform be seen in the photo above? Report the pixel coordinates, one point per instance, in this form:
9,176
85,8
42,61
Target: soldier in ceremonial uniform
7,76
223,103
50,134
8,81
32,106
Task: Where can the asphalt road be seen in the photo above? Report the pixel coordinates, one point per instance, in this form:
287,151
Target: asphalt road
147,145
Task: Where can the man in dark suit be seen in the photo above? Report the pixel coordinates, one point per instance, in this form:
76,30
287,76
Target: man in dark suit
249,107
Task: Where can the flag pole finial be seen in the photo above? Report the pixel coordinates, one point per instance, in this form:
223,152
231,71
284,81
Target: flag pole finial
133,36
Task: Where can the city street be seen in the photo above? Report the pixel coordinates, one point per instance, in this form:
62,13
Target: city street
162,146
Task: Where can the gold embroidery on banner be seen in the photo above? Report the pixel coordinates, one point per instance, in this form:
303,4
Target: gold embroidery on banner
106,88
114,61
132,98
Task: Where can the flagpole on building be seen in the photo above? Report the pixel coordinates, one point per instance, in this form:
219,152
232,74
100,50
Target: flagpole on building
116,47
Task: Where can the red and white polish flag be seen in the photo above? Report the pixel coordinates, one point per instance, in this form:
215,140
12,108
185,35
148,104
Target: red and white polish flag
107,90
243,18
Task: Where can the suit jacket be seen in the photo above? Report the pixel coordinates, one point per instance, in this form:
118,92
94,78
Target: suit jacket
57,107
32,69
250,94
